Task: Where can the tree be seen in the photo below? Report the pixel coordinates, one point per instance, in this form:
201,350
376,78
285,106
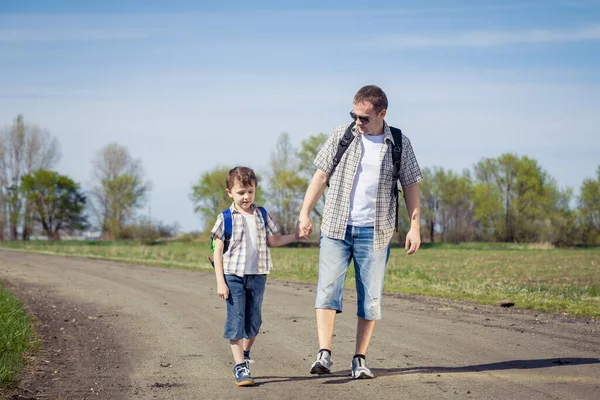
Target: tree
56,201
429,201
309,148
456,205
589,209
488,211
24,148
119,190
210,198
287,187
528,194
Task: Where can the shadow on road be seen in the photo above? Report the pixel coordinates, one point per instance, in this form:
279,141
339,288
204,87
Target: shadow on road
344,376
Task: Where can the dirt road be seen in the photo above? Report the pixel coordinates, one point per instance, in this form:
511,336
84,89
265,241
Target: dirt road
119,331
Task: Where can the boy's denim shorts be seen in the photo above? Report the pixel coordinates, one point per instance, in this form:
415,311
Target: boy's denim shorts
369,267
244,306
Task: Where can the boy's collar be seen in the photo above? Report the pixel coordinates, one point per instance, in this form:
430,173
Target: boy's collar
235,210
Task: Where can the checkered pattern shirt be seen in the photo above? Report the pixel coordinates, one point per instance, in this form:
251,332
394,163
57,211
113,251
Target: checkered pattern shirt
337,200
234,259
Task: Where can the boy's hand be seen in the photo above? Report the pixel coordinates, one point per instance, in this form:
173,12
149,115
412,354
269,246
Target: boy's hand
303,227
223,290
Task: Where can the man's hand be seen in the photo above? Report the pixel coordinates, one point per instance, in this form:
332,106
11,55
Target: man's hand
303,227
413,241
223,290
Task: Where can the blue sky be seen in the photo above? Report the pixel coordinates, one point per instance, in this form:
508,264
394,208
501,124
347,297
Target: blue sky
187,85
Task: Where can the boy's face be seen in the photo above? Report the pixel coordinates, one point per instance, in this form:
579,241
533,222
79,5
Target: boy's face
243,196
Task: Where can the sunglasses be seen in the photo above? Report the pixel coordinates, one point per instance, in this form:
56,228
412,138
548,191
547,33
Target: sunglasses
364,120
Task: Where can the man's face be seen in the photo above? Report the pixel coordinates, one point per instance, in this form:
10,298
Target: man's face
371,121
243,196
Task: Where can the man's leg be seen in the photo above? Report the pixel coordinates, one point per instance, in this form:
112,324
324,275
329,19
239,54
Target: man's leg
334,259
325,323
364,330
369,266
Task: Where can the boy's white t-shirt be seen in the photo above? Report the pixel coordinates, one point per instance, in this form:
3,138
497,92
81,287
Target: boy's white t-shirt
251,233
364,190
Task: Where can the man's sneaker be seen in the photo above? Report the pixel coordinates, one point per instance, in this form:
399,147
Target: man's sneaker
242,376
360,369
323,364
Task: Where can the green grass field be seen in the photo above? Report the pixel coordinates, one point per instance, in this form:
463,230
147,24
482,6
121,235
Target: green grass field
16,337
558,280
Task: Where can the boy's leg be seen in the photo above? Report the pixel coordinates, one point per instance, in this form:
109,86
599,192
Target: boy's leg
234,326
255,289
235,329
334,259
369,266
248,343
237,350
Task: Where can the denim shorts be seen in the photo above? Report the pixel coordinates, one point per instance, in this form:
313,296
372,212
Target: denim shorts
369,266
244,306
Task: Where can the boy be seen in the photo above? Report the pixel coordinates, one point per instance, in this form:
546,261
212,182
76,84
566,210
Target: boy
242,271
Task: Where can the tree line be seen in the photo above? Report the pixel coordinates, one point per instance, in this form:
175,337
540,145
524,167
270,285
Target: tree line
34,197
509,198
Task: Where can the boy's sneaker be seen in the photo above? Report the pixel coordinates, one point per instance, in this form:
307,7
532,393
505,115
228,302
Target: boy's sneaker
360,369
248,361
323,364
242,376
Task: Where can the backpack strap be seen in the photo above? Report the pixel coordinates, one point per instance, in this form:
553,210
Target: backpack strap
343,145
264,215
397,160
227,229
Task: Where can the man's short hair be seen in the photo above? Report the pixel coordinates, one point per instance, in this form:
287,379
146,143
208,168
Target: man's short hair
372,94
244,175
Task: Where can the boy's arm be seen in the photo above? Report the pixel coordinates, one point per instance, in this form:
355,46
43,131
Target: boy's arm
222,288
281,240
413,206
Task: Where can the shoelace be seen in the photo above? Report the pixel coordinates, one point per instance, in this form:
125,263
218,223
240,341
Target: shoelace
243,371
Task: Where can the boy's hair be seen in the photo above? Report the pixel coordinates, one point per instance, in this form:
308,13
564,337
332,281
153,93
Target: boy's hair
244,175
372,94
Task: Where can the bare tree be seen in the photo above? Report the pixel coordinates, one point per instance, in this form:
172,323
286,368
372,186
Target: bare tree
24,148
119,188
287,187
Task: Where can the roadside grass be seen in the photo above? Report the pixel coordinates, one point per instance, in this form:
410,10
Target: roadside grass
533,276
16,337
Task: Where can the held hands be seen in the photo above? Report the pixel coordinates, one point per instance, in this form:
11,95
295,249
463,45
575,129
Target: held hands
413,241
303,228
223,290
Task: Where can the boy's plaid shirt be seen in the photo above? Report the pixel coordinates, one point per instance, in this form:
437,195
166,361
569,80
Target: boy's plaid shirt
337,201
234,259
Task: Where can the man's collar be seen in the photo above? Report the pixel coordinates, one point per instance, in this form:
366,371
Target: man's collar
387,132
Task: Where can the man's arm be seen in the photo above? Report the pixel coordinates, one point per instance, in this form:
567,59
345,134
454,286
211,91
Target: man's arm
413,205
314,192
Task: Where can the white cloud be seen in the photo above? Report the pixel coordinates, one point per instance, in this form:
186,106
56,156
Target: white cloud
491,38
69,34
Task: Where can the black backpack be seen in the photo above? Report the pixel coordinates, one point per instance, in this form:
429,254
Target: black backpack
348,137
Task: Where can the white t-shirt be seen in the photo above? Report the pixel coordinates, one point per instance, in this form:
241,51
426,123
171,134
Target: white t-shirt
364,190
251,233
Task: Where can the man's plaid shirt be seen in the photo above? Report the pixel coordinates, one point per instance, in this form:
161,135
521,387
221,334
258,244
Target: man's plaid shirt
234,259
337,201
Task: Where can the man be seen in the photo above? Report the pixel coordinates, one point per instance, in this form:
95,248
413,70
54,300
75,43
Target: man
359,220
